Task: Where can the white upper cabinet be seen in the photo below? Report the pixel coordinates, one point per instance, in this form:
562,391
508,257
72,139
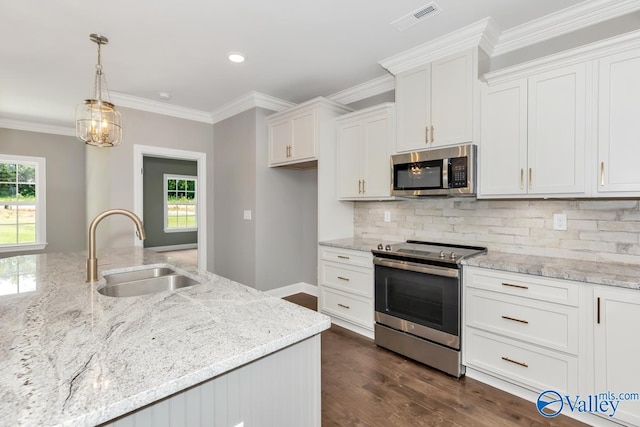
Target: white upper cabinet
295,134
557,131
576,112
619,124
365,140
434,103
503,154
533,138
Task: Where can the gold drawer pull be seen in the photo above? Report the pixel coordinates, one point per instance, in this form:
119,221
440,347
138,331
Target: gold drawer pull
344,278
506,359
343,257
344,306
515,286
514,319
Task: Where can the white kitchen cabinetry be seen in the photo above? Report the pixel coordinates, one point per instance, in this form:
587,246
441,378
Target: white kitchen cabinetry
616,347
522,329
296,134
346,288
619,124
534,135
434,102
365,141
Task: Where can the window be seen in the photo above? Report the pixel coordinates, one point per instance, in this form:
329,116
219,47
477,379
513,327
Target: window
180,205
22,203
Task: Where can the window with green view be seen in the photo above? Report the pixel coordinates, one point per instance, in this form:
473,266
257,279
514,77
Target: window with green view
21,202
180,213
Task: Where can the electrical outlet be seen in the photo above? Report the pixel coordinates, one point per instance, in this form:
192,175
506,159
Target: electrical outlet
387,216
247,215
559,222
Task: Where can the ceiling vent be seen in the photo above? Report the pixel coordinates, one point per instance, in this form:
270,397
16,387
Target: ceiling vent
416,16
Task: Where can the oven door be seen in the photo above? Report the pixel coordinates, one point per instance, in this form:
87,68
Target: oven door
419,299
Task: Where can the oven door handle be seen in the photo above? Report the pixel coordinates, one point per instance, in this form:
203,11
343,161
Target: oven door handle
418,268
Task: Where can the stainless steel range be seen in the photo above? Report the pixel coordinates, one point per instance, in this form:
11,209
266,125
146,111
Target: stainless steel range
418,301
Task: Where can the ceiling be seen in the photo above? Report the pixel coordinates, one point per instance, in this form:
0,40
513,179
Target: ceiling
295,49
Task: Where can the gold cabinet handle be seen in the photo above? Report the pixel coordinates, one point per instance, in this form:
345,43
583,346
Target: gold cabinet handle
344,306
432,133
343,257
515,320
515,286
601,174
346,279
426,134
530,174
521,178
364,189
506,359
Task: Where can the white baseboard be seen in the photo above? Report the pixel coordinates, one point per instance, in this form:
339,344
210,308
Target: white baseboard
296,288
174,247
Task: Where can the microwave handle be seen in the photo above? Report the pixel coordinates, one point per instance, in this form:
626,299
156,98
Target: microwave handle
446,171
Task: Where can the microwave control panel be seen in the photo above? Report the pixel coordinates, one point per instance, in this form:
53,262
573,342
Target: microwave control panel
458,172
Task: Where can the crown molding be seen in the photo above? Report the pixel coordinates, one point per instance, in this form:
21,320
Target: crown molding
365,90
571,19
483,33
250,100
37,127
592,51
137,103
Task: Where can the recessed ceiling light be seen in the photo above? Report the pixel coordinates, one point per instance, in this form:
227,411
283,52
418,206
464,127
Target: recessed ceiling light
236,57
164,95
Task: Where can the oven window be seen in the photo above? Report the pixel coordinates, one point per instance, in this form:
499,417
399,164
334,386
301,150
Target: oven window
424,299
418,175
418,303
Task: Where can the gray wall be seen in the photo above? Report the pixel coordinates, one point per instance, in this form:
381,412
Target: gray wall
278,246
66,225
116,191
374,100
153,200
235,191
591,34
286,220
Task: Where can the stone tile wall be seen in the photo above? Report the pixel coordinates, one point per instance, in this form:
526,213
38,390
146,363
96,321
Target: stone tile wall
597,230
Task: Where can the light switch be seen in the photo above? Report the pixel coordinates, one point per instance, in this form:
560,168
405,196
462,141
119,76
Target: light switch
247,215
387,216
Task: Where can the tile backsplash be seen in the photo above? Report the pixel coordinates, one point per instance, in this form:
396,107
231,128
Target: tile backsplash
597,230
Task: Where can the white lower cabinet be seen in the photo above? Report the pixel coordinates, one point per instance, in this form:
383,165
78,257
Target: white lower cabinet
346,288
522,329
616,348
527,334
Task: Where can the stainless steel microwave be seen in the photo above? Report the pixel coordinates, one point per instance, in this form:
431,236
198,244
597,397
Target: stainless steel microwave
448,171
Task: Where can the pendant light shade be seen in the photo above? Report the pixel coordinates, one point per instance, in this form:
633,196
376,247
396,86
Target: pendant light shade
98,122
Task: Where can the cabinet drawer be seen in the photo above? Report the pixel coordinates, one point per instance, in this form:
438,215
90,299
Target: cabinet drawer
351,308
347,256
530,366
550,325
523,285
358,280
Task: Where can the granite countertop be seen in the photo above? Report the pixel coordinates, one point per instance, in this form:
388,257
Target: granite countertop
71,356
365,245
597,273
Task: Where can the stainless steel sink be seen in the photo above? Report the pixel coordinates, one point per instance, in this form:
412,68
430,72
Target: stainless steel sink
144,281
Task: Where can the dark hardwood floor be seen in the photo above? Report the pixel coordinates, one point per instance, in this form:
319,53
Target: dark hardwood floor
365,385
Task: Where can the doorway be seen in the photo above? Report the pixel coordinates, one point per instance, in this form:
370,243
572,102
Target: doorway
158,155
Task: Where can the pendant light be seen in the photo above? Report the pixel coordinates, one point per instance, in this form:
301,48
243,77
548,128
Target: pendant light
98,122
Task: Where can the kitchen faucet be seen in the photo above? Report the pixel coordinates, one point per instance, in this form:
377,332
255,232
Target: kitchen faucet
92,261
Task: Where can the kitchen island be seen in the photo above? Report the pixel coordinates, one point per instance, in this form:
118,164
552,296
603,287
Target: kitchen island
71,356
